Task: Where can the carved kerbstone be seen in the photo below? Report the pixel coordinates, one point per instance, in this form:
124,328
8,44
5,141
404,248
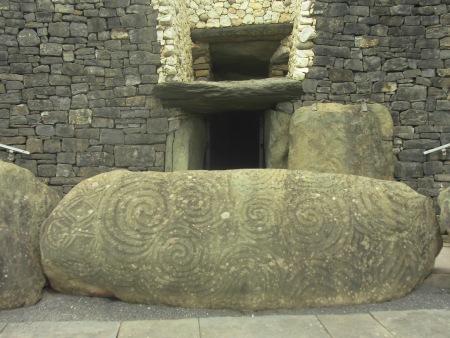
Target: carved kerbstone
244,239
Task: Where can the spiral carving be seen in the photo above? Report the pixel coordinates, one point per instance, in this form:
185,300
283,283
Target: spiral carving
199,201
249,239
134,212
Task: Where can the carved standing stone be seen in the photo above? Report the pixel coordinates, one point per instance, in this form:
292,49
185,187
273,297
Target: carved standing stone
343,139
25,203
244,239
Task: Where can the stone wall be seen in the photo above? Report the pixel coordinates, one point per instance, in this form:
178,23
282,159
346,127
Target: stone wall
396,53
76,82
76,78
175,19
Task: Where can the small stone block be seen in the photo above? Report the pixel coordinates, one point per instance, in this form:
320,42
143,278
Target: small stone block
421,323
160,328
267,326
355,325
62,329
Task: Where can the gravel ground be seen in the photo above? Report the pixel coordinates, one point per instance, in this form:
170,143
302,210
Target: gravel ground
59,307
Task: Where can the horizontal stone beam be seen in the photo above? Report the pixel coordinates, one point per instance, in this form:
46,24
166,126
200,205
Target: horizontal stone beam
242,33
216,97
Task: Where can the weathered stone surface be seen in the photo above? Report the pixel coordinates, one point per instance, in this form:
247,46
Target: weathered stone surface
246,239
343,139
186,146
444,204
214,97
276,134
25,203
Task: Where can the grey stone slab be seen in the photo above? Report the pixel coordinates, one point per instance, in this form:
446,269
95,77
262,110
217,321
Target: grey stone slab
355,325
2,326
79,329
260,327
420,323
160,328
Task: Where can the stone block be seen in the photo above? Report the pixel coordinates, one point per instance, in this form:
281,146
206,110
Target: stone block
414,117
45,130
94,159
433,168
412,155
54,49
112,136
360,142
73,145
134,156
46,170
242,239
404,170
25,203
159,125
80,116
52,146
340,75
276,136
444,204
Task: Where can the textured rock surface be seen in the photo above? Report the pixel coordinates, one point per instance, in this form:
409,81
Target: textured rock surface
444,204
214,97
336,138
25,203
247,239
276,135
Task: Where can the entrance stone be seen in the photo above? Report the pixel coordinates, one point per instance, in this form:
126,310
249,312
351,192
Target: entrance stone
243,239
347,139
25,203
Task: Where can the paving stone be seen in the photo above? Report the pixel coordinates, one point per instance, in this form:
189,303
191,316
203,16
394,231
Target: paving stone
80,329
262,327
162,328
412,324
355,325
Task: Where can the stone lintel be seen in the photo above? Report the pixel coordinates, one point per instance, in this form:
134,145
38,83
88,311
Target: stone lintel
243,33
216,97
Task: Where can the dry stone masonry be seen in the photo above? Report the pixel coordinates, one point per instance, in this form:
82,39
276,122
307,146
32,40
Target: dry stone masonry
77,78
243,239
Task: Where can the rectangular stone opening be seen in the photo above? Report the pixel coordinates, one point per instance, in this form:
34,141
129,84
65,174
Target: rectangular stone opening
235,140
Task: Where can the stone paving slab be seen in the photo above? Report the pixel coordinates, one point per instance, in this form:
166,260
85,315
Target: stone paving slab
262,327
82,329
185,328
417,323
354,325
2,326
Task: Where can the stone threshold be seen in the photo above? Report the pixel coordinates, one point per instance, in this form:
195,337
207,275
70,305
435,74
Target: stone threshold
215,97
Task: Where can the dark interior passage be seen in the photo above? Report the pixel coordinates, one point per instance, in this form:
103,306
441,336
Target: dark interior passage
234,141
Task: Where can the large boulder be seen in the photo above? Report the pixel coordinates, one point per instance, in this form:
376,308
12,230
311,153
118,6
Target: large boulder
25,203
444,204
244,239
343,139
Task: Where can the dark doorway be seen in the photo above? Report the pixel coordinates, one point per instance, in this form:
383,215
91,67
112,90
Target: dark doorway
235,141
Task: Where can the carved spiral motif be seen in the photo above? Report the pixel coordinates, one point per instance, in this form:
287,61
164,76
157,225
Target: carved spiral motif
260,217
182,258
134,213
198,201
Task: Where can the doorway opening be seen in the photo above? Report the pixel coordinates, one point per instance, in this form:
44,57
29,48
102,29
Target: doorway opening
235,140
